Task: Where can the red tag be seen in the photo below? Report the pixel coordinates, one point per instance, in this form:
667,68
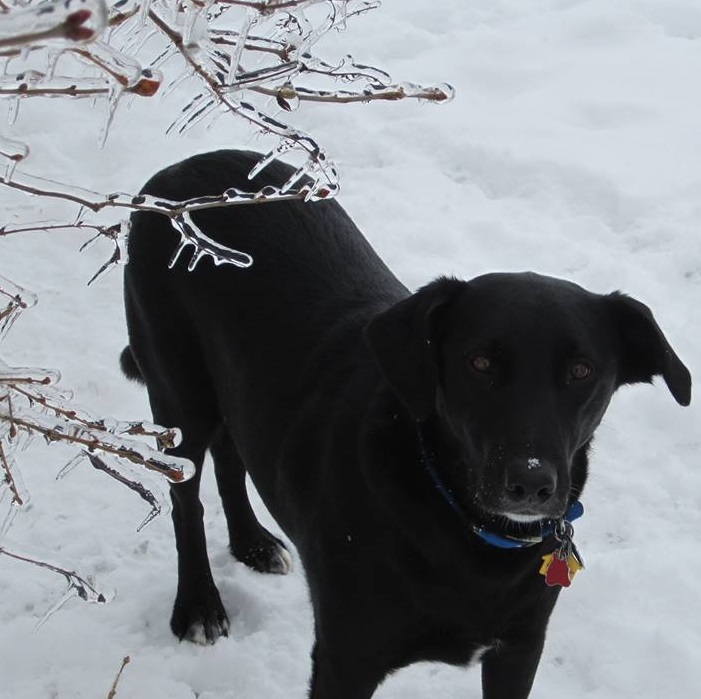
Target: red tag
558,573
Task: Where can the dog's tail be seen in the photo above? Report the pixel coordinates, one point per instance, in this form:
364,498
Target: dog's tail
129,367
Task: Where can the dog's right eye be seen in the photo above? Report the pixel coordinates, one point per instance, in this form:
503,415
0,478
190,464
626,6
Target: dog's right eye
482,364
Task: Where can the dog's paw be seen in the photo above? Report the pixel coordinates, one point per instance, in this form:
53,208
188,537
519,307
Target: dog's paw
199,619
267,554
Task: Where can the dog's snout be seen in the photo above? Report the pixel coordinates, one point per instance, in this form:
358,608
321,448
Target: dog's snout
530,482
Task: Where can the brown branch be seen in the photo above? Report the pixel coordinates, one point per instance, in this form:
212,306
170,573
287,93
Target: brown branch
390,93
82,587
16,497
80,225
270,6
71,415
113,691
146,87
70,29
164,436
140,203
93,443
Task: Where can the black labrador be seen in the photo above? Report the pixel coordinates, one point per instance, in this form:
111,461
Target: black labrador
424,452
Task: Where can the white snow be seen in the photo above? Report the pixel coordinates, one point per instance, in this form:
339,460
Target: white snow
573,148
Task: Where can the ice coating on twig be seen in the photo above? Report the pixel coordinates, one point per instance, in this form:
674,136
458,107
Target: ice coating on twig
76,585
251,60
32,404
55,21
13,300
228,49
122,472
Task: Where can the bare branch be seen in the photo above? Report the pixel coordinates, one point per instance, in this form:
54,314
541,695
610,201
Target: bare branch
9,478
113,690
77,585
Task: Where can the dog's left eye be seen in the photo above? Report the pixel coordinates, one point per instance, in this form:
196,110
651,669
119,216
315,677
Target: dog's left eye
482,364
581,370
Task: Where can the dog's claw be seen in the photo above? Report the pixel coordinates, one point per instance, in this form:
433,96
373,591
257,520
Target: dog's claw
267,555
203,621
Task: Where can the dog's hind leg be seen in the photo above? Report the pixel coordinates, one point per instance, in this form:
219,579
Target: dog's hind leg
198,613
180,398
249,541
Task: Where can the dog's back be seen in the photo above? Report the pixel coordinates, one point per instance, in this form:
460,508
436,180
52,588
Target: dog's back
246,346
273,318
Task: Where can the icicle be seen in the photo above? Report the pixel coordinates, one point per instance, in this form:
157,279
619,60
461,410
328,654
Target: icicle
121,66
282,148
12,110
71,466
10,510
195,111
158,501
246,26
191,235
113,96
145,6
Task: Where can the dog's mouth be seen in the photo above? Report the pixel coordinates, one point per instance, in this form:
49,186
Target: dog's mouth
510,523
518,518
497,508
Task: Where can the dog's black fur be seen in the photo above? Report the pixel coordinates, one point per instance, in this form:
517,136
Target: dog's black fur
320,375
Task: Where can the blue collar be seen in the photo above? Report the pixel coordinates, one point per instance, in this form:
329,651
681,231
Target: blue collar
502,541
547,528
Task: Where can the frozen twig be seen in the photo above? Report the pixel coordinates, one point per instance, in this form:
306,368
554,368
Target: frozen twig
76,585
64,21
246,59
392,93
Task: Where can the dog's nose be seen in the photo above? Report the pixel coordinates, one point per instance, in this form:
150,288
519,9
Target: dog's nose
530,481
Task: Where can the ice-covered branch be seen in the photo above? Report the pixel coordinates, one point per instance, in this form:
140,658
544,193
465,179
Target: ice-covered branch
250,60
67,21
213,52
76,585
34,406
287,94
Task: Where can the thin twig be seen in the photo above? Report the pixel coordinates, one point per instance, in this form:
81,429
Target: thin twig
79,225
81,586
92,443
113,691
390,93
16,497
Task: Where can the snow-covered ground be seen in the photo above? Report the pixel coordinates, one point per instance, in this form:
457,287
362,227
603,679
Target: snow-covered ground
573,148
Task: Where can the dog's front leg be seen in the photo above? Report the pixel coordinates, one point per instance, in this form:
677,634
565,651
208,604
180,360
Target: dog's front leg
508,670
342,676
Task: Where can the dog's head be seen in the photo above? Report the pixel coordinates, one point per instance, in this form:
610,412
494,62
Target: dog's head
518,370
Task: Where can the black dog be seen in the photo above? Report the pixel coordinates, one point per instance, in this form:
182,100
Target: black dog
422,451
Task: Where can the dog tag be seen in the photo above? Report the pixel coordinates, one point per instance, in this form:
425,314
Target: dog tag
574,565
547,560
558,572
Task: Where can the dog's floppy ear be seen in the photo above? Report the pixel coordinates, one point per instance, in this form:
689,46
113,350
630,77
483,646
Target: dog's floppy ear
645,351
403,341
